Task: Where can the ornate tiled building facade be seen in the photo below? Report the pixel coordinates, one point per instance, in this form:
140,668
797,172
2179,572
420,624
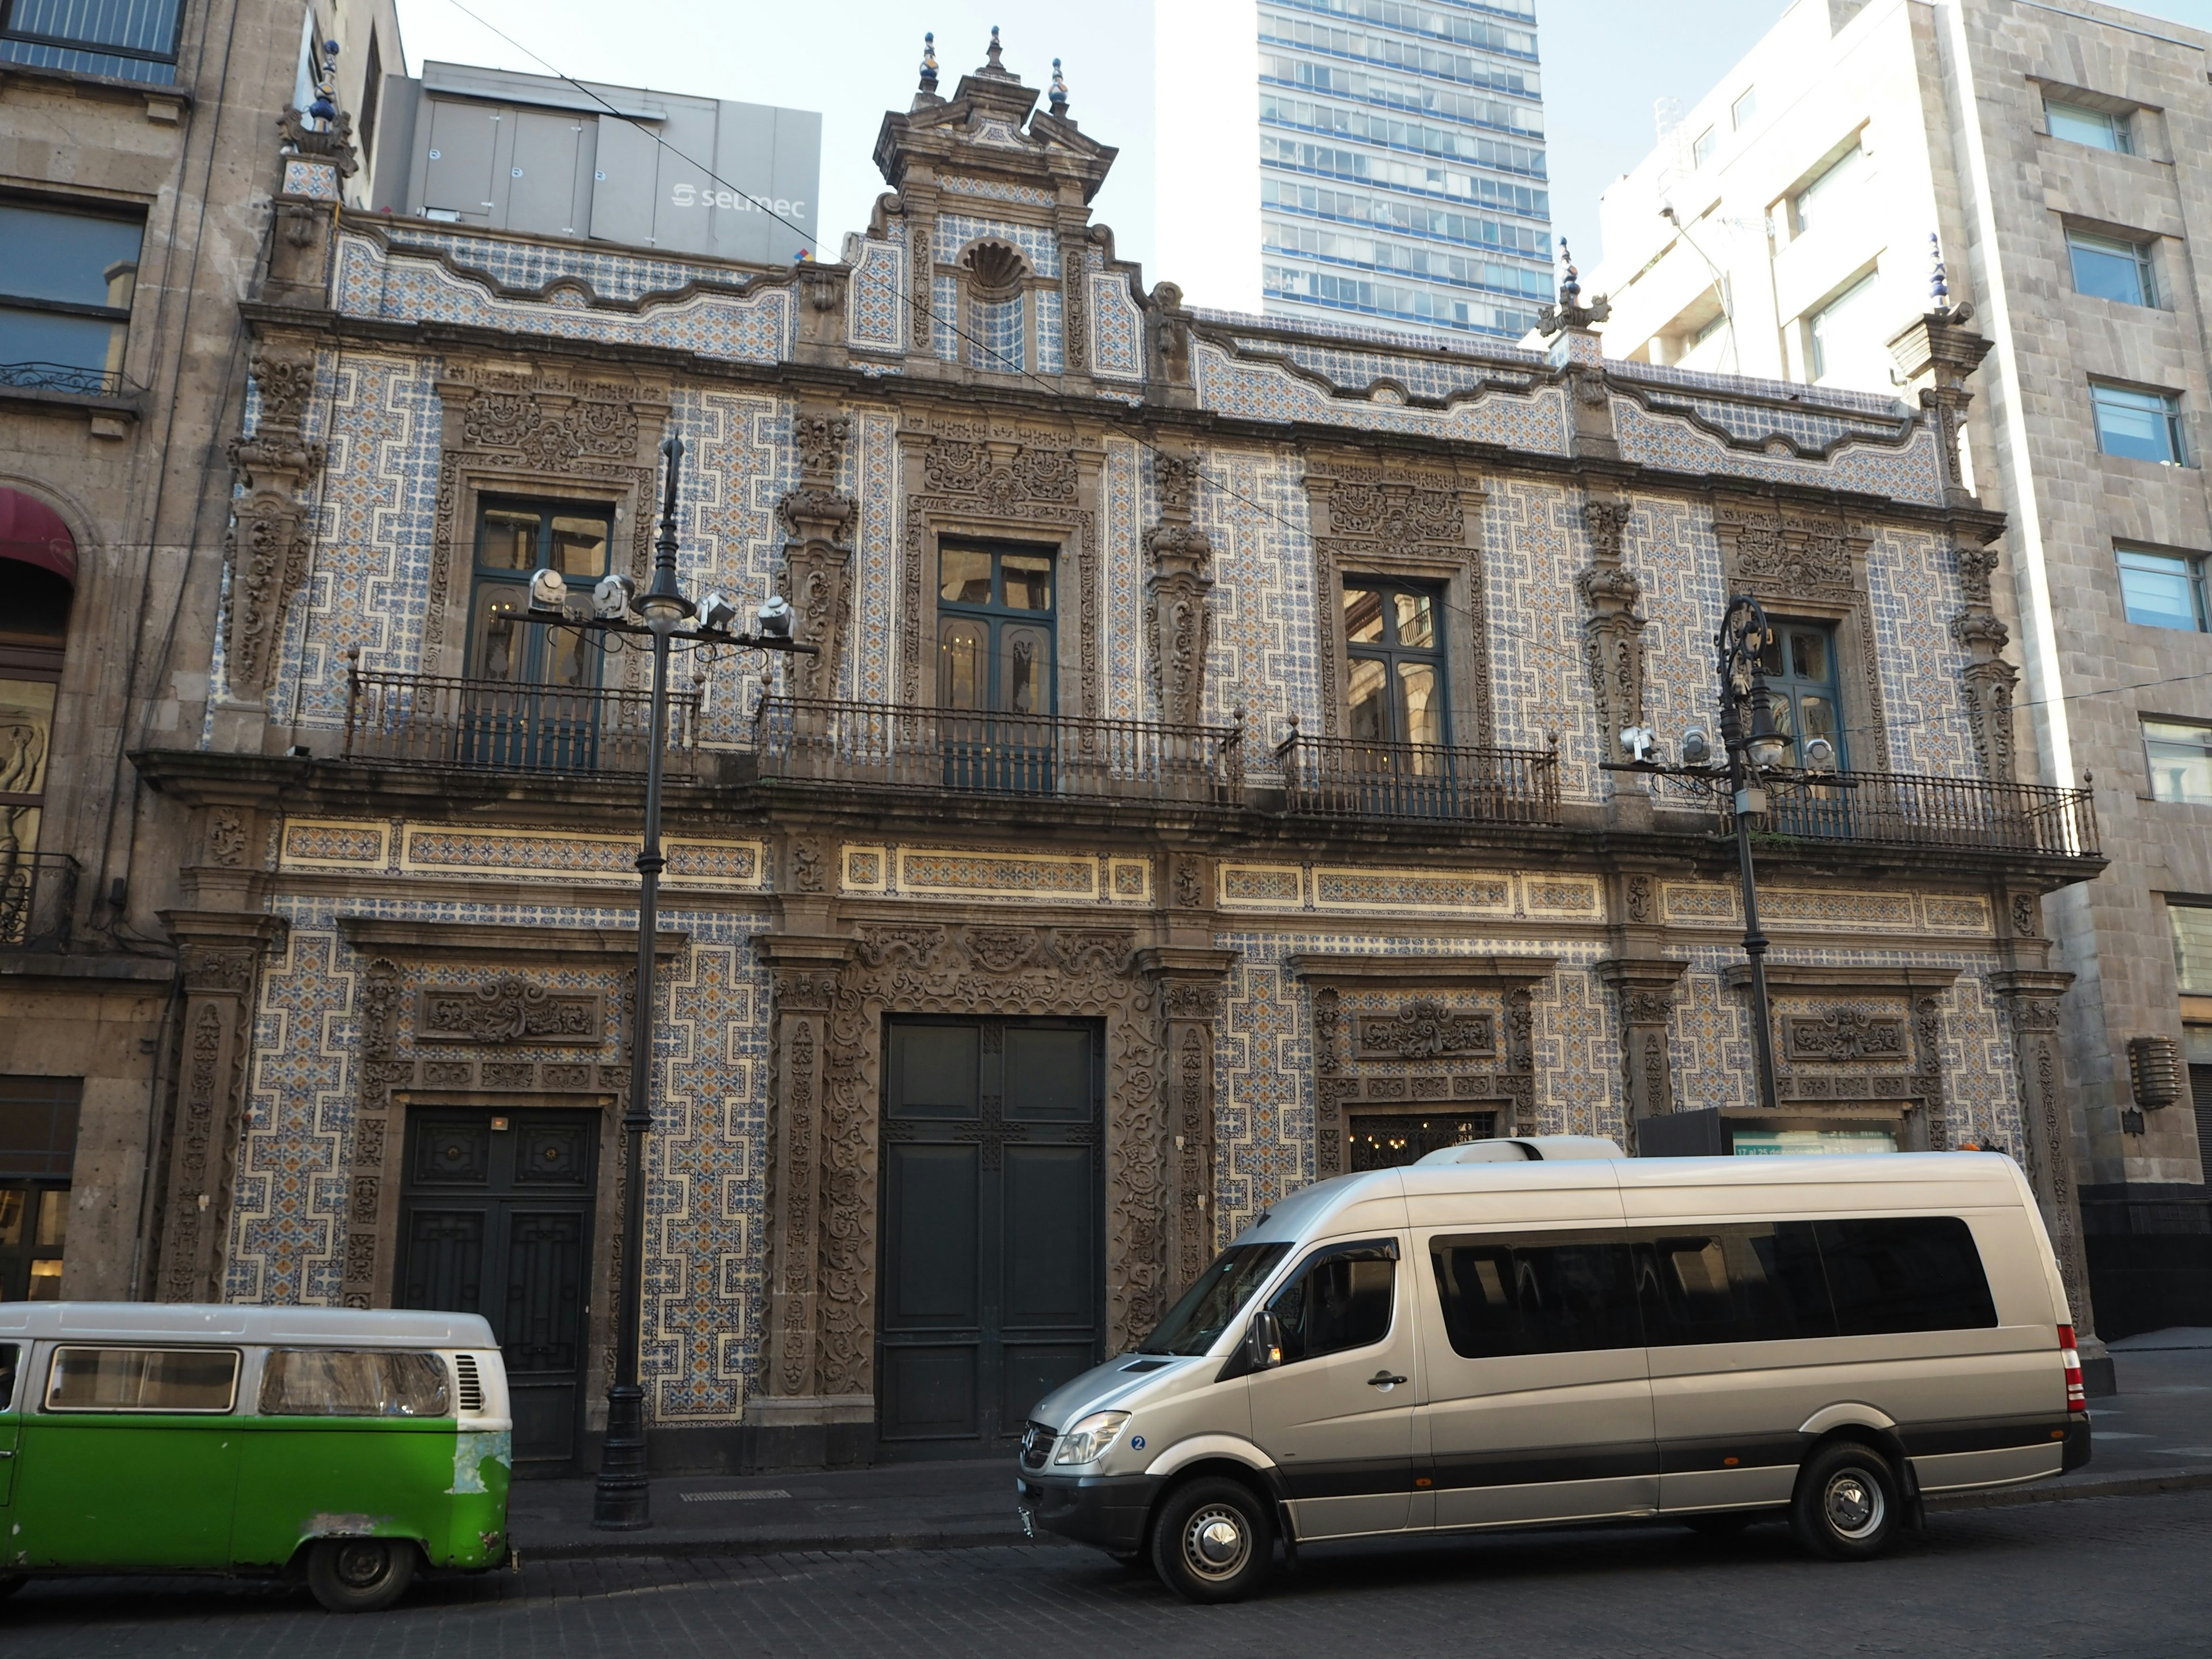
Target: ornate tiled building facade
1298,941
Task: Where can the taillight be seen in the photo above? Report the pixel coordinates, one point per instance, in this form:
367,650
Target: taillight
2077,1398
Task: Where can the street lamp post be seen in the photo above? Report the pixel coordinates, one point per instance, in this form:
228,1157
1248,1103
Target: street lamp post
1754,747
622,1499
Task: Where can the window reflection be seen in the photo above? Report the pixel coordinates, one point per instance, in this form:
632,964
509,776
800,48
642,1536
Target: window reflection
1394,685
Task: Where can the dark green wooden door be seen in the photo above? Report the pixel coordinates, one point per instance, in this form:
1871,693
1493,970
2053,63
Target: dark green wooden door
992,1266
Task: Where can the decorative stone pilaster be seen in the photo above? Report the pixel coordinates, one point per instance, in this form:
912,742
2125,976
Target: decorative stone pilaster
1940,351
266,546
1191,983
219,958
1179,556
1644,987
1613,633
817,561
1577,355
805,970
2030,999
1990,679
315,158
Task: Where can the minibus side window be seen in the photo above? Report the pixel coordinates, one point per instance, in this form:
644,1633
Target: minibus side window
354,1382
1526,1295
1342,1299
7,1362
143,1380
1756,1283
1897,1274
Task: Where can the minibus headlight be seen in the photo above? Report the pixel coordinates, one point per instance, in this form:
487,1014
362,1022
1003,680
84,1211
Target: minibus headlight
1087,1441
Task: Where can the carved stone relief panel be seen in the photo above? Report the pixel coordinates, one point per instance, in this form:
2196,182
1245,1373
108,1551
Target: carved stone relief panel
1178,557
817,559
509,1009
1861,1040
267,545
1420,524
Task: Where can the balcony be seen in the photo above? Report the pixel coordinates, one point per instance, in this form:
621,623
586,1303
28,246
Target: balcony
1902,809
1428,783
497,725
38,894
888,745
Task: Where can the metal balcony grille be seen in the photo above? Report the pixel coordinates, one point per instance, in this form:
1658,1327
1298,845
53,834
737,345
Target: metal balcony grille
495,725
1903,810
1344,777
38,895
972,752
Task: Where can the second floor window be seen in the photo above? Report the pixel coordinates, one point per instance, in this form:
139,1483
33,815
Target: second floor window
1394,638
2106,268
1843,343
515,540
2180,756
1838,180
2137,426
1801,684
2100,129
128,40
2162,590
2192,945
66,281
994,629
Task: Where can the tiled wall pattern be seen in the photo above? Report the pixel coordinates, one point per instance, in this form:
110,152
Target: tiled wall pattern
1253,508
1668,545
1532,546
1268,391
869,672
1913,584
1126,497
1907,473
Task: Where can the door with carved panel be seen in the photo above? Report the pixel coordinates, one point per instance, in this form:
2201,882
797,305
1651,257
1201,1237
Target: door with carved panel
992,1274
495,1218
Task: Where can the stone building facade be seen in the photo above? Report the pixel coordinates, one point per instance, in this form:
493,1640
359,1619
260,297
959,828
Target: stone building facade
1200,789
2056,154
139,166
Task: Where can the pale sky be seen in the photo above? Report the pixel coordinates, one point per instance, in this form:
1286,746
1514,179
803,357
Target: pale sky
1604,62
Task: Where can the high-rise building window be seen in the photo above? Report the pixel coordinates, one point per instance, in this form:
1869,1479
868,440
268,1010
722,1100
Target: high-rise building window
2106,268
2137,426
2099,128
2192,945
66,280
2180,755
2163,590
1741,110
130,40
1843,342
1701,151
1838,180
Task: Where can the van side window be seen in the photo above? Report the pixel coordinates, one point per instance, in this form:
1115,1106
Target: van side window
1757,1283
8,1352
143,1380
1552,1295
1905,1273
354,1382
1341,1299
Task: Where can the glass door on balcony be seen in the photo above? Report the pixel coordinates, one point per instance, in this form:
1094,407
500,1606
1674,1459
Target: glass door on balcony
531,700
1395,701
1801,688
995,684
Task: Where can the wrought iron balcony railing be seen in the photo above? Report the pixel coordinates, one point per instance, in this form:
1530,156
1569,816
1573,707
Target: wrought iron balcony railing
1346,777
976,752
38,898
65,377
499,725
1905,810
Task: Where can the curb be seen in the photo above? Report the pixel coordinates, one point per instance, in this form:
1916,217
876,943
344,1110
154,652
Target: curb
979,1537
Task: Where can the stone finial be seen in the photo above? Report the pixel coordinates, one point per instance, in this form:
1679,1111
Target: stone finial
1058,96
929,64
994,66
1939,284
1571,312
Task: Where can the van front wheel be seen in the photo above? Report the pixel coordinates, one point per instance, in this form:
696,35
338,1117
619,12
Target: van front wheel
1846,1505
1212,1541
360,1575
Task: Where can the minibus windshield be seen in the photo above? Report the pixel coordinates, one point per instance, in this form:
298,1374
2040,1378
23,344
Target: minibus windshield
1207,1306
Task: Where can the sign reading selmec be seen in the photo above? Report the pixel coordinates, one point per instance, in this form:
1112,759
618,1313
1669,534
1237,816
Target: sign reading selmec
745,193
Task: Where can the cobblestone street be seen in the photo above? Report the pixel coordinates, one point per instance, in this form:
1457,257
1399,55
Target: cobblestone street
2114,1577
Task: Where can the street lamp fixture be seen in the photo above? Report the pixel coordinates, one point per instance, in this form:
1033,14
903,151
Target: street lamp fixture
622,1500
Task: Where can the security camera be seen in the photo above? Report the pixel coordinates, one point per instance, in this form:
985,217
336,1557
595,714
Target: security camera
716,613
1820,755
548,590
611,597
775,617
1697,747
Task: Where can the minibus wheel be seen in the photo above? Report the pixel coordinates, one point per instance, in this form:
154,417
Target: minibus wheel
1212,1541
1846,1505
360,1575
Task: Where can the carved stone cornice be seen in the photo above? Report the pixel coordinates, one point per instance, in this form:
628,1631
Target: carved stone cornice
482,941
1813,978
1346,971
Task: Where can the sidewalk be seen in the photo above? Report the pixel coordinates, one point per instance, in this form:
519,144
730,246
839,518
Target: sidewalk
2156,1434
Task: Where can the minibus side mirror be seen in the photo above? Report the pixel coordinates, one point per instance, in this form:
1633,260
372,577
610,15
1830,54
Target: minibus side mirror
1263,1342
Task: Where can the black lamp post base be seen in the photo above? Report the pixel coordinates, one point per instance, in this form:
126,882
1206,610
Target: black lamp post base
622,1501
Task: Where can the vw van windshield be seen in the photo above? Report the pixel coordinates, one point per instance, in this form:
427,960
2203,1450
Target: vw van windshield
1208,1306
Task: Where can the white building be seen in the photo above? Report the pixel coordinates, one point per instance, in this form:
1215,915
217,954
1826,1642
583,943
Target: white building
1357,161
1783,229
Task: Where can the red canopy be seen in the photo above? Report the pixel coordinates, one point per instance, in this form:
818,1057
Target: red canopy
33,532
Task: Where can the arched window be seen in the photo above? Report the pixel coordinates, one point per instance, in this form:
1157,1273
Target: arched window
38,574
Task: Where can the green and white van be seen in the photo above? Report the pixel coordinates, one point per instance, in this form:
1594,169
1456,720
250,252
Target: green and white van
348,1446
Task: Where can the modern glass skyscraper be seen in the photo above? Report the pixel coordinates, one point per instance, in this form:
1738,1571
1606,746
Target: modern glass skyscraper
1401,163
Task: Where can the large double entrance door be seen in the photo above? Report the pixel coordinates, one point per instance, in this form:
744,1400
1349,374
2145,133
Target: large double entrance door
495,1218
992,1266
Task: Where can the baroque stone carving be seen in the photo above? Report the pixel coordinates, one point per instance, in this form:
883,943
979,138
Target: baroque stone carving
1180,558
267,543
1613,633
510,1010
1845,1034
817,559
1427,1030
1990,679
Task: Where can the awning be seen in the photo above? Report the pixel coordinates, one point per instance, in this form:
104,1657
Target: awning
33,532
